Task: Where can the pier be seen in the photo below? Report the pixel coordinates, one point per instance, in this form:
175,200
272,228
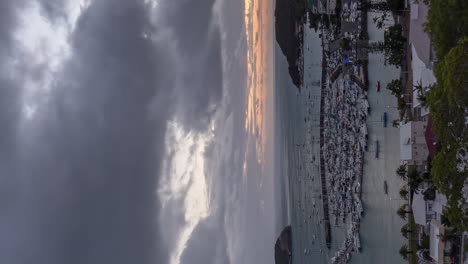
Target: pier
323,179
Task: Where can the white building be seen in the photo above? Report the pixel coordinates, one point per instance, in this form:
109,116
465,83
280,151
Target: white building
413,148
436,246
422,53
424,211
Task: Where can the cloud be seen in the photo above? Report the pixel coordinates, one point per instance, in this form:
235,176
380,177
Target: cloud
9,92
81,168
207,244
79,187
192,34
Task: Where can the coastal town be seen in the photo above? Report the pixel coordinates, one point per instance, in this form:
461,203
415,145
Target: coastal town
433,210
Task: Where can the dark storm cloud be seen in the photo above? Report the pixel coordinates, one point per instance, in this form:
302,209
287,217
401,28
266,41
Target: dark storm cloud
9,92
207,244
199,71
78,184
80,187
10,108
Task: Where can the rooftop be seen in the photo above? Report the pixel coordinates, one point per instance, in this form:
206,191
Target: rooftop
430,139
405,141
418,207
417,36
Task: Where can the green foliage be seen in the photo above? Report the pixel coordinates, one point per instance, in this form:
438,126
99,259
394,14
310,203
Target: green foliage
394,44
422,92
380,21
396,87
404,234
452,74
338,7
414,179
403,193
404,251
314,20
406,229
448,101
345,43
326,21
426,176
443,169
425,243
401,212
447,23
430,193
455,215
401,171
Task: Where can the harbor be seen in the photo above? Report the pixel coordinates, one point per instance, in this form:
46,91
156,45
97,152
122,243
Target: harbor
334,147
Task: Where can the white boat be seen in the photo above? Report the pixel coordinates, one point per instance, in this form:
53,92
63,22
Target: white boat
357,242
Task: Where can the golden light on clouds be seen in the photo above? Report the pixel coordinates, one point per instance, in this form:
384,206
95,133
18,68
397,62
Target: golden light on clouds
259,38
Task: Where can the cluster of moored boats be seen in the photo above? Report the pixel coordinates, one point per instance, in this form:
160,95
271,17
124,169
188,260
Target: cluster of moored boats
345,110
345,133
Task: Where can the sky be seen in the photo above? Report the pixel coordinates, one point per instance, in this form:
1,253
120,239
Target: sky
137,131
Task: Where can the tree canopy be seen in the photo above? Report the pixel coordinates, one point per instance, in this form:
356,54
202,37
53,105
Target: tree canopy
403,193
447,23
401,172
448,104
404,251
395,87
402,211
394,44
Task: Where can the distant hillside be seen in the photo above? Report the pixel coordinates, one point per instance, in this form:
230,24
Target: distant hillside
283,247
290,16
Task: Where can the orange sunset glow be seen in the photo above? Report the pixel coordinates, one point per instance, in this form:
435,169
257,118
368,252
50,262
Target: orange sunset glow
260,61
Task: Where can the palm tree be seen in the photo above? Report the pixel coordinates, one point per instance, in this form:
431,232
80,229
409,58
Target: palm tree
404,233
402,211
414,179
403,193
418,87
413,174
404,251
422,92
422,99
405,229
401,171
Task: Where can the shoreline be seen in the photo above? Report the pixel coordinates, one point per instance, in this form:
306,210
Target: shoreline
323,180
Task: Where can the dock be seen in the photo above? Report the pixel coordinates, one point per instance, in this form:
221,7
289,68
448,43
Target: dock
326,214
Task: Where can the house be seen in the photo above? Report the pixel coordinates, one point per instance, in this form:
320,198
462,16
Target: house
422,55
413,147
420,214
430,138
427,212
436,245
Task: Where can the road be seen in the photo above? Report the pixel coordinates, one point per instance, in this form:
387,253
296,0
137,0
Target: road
380,227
